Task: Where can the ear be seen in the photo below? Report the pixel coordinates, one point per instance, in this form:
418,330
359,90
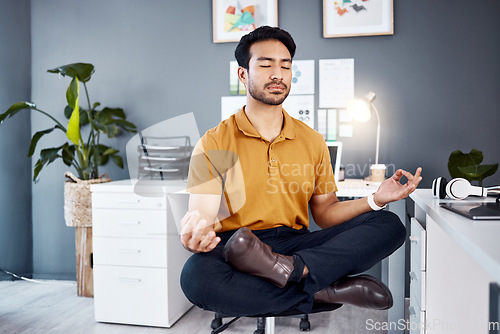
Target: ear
243,75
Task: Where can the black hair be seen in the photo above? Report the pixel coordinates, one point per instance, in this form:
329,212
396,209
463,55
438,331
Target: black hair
264,33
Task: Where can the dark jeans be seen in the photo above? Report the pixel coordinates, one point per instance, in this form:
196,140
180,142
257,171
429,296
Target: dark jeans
348,248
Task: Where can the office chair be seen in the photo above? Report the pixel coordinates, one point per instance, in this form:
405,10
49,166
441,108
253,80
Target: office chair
268,319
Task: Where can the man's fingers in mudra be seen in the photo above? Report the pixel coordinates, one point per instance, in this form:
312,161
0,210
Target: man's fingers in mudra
198,231
417,178
413,180
188,222
209,241
195,236
397,175
213,244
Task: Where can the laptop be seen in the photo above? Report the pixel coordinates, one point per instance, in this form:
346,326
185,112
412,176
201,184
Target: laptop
476,211
335,149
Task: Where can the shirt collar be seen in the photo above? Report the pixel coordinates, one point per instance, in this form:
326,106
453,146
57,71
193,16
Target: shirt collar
247,128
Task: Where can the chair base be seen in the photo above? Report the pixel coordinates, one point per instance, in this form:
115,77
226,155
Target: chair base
219,327
305,325
262,319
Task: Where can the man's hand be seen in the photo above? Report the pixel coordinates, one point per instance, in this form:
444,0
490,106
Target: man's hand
392,190
196,234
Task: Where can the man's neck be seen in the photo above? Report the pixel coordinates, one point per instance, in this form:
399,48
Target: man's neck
266,119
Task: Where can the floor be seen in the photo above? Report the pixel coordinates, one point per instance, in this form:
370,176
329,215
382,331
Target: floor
54,307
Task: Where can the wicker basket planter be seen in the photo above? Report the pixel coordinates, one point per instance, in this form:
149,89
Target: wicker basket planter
78,214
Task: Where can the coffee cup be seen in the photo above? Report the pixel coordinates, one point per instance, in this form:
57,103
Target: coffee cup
377,172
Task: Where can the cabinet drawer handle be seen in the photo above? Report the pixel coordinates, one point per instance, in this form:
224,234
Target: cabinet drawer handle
127,250
413,276
129,280
413,239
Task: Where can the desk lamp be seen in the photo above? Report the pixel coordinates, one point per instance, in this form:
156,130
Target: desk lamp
361,110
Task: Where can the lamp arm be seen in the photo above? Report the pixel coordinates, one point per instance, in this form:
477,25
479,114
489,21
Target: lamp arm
378,132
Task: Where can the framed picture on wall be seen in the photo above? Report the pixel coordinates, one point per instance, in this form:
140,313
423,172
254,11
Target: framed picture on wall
234,18
349,18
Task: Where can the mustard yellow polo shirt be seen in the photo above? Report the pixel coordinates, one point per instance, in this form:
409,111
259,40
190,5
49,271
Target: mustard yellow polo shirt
262,184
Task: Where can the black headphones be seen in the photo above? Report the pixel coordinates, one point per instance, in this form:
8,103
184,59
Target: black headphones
457,188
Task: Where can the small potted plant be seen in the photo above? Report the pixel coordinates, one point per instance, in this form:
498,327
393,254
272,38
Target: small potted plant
469,167
82,151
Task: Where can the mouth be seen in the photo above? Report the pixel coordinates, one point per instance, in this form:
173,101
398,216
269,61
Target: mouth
276,87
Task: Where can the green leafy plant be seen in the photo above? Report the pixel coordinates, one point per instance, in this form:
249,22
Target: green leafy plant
468,166
84,154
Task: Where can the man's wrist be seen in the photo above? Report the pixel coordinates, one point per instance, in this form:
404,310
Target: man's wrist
374,205
375,199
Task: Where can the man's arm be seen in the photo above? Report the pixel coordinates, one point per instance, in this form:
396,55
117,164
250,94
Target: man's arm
327,211
198,234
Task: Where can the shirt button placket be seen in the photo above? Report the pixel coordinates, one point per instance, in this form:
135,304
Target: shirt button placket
272,158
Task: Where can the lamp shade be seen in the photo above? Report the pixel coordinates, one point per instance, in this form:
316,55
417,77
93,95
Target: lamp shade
359,110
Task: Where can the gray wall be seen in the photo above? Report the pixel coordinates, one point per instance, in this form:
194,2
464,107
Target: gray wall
437,81
15,133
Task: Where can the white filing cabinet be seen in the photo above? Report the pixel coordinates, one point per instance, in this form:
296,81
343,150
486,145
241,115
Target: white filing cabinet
418,276
453,261
138,256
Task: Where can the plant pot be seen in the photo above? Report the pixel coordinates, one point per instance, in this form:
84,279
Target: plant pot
78,214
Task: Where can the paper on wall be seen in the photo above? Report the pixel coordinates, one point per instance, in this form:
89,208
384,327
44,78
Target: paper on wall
336,82
345,130
332,124
302,77
345,116
322,125
300,107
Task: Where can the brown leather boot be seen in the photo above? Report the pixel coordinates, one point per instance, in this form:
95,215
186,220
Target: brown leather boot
246,253
362,291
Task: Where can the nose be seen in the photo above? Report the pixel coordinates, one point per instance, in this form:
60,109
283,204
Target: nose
277,75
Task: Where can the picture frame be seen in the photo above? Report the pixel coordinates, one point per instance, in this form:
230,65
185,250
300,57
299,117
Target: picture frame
233,19
351,18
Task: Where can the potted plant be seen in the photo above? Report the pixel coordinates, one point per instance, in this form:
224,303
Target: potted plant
469,167
84,152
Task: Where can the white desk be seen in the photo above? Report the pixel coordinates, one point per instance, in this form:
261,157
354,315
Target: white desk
457,258
356,188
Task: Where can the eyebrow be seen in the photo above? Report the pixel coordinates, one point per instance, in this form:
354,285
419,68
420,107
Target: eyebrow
273,59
